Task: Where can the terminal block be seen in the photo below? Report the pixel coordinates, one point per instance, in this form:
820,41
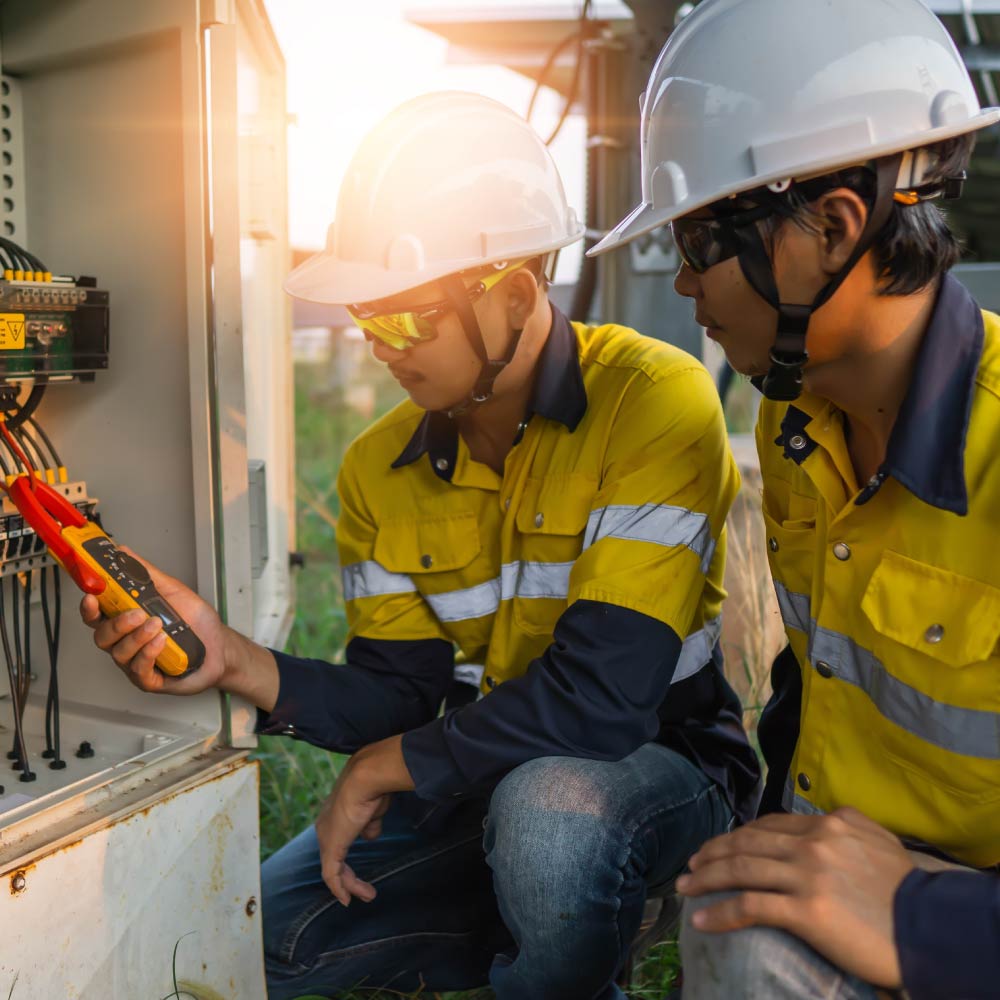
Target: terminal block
55,327
21,550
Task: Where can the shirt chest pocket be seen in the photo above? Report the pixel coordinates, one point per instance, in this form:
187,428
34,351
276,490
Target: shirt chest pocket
950,618
424,544
935,674
551,520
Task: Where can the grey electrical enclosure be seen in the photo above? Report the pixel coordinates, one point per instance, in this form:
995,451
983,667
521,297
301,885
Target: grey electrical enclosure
149,150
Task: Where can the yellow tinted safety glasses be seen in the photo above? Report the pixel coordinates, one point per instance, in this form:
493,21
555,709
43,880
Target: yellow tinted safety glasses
404,329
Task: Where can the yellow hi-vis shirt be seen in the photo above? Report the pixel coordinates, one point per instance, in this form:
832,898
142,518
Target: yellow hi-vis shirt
890,594
623,501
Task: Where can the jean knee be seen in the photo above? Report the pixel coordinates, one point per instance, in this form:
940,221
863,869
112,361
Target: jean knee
753,962
548,819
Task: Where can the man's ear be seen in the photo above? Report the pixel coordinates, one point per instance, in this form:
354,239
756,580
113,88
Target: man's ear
843,214
522,297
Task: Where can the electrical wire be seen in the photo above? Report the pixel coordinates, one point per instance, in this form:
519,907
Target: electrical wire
52,641
16,415
17,450
21,762
46,439
579,36
34,264
31,449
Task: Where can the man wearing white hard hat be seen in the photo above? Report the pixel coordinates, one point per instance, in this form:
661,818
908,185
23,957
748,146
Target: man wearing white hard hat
799,150
550,503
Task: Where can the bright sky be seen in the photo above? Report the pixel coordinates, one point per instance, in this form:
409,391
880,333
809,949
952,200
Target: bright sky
349,64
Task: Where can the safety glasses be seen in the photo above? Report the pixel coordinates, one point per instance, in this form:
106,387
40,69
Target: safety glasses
401,330
703,243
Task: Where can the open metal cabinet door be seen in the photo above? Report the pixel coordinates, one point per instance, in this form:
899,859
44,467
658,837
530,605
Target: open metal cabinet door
252,432
133,137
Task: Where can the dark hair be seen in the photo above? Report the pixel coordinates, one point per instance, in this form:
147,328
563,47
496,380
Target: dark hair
916,246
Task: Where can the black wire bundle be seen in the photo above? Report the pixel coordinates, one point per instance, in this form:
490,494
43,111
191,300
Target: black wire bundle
39,449
579,36
17,258
19,684
52,621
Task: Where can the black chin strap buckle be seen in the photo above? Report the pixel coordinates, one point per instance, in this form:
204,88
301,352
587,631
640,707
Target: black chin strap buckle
784,381
788,355
953,186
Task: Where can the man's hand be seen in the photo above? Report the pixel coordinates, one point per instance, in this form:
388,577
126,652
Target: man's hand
829,880
134,639
355,808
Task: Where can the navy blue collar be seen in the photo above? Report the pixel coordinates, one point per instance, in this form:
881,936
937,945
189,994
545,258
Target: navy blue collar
926,450
558,394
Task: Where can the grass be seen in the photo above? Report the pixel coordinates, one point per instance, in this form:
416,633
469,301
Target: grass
336,397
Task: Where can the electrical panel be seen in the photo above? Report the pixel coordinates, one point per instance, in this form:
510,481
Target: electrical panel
52,327
173,193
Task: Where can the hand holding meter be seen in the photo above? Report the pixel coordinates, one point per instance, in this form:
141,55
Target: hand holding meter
118,580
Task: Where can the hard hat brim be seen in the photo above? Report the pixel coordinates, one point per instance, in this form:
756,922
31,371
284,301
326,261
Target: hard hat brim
644,218
330,280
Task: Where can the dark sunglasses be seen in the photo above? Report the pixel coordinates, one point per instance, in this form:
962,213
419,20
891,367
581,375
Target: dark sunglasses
703,243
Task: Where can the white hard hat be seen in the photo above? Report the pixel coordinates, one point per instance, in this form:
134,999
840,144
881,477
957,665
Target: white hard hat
748,93
445,183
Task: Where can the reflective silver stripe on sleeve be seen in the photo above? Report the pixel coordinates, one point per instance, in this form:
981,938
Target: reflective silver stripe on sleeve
696,651
371,579
660,524
794,608
526,580
537,579
470,602
971,732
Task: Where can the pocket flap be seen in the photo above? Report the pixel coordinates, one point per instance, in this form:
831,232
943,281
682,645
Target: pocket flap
950,617
428,543
556,505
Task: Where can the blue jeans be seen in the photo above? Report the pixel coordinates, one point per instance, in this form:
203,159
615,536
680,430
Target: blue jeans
544,904
759,963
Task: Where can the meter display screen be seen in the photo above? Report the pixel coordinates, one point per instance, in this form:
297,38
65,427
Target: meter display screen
157,606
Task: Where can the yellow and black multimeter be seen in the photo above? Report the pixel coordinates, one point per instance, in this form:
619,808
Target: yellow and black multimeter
119,581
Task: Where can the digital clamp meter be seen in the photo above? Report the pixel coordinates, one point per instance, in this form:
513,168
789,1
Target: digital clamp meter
118,581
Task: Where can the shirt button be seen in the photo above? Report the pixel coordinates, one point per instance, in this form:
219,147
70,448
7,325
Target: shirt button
426,561
934,634
539,519
491,682
824,669
804,783
842,551
772,544
288,731
506,504
797,442
441,465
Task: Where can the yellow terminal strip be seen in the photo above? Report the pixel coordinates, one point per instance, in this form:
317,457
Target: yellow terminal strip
19,275
50,476
63,478
8,274
48,275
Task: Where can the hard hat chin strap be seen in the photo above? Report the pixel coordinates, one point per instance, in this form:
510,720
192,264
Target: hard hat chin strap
489,368
788,353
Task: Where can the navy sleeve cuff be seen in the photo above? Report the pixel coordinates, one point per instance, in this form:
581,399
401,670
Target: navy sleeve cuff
948,934
386,687
435,772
